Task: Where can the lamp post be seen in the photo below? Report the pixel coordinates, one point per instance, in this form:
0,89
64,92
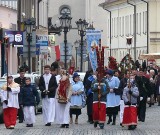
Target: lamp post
29,24
65,21
76,55
82,26
76,43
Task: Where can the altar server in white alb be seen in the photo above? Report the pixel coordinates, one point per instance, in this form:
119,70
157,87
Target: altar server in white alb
9,98
48,86
28,94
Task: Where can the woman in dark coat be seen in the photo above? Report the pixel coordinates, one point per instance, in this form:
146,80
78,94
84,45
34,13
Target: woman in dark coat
88,79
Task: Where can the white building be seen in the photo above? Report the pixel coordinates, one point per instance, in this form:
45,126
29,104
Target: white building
123,24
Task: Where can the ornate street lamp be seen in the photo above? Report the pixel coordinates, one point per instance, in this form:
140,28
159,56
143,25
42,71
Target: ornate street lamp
65,21
29,25
82,26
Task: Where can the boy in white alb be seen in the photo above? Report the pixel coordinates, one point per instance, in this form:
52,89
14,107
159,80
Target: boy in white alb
9,98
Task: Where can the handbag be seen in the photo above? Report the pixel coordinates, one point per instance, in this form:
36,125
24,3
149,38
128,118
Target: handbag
62,100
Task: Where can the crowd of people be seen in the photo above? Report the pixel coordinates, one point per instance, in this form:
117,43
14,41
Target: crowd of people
64,95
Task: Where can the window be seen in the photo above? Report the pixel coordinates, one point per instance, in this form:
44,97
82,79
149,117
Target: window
123,26
127,25
109,28
145,22
131,25
65,10
112,27
120,23
137,27
117,26
140,23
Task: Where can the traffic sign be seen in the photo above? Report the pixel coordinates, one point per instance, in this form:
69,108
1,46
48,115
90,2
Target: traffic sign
42,40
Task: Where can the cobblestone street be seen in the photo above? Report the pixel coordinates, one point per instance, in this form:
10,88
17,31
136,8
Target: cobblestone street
150,127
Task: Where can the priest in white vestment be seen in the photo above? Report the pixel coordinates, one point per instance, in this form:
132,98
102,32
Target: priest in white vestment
63,96
48,86
9,98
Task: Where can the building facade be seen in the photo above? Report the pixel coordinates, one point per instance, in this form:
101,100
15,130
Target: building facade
84,9
8,21
136,18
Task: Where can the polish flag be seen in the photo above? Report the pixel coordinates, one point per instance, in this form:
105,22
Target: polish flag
57,51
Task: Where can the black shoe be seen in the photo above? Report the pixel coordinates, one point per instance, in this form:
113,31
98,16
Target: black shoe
101,125
114,123
48,124
62,126
121,125
95,124
67,125
29,125
129,128
20,121
109,121
132,127
91,122
11,127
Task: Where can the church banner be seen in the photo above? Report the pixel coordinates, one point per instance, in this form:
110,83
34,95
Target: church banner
93,37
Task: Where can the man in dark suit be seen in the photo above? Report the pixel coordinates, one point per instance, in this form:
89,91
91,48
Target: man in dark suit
21,81
48,86
143,84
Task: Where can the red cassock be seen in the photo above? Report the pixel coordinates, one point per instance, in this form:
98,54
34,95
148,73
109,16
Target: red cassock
130,115
99,113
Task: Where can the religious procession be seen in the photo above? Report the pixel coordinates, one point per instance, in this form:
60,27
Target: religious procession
104,92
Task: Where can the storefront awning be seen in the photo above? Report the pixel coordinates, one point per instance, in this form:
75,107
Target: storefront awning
150,56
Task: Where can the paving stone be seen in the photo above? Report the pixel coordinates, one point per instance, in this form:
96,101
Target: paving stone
150,127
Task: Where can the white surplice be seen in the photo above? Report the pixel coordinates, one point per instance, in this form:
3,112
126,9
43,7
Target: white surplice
13,96
48,104
62,113
29,114
121,110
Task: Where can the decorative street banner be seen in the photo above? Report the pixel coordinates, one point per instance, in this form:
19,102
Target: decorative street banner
15,38
93,37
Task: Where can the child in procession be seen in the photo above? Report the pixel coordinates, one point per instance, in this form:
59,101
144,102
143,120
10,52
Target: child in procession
27,100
